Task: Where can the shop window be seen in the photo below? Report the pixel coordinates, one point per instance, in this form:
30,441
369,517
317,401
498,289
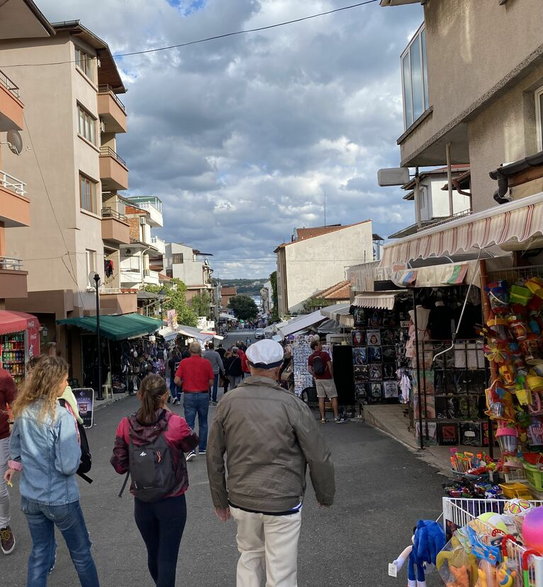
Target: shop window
415,78
86,124
87,193
83,61
539,117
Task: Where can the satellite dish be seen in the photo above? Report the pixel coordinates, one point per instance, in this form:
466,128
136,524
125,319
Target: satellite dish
14,141
91,278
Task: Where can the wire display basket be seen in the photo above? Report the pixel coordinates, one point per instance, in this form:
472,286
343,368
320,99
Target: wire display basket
463,511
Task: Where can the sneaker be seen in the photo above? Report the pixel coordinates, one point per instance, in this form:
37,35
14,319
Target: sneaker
202,452
340,420
7,540
323,420
191,456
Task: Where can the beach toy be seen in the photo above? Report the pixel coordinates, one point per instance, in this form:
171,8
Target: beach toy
505,575
525,570
507,439
532,529
518,328
495,520
534,383
519,294
535,285
507,373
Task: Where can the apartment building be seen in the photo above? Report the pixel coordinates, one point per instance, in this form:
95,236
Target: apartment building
316,259
73,171
190,266
19,19
472,85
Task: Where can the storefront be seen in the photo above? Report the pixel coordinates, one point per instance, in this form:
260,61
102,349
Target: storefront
19,341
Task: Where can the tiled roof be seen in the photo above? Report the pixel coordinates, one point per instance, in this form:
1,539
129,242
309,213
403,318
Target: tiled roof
339,291
307,233
229,291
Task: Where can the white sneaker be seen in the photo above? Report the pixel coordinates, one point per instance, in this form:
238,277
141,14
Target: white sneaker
191,455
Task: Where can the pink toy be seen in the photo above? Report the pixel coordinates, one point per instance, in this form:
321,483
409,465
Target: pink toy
532,529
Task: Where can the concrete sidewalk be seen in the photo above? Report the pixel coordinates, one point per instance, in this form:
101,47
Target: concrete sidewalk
390,418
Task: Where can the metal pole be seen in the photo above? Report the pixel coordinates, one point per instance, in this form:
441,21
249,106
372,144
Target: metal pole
449,178
99,394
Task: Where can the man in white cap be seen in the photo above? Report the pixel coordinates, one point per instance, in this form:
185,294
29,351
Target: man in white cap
265,437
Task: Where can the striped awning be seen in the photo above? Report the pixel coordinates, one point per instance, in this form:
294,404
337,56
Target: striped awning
376,300
513,225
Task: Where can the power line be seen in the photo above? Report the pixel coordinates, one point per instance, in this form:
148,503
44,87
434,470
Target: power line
212,38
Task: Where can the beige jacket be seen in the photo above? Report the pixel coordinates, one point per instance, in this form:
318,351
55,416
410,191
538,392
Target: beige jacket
266,437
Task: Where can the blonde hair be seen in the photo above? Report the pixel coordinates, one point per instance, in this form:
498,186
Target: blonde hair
42,384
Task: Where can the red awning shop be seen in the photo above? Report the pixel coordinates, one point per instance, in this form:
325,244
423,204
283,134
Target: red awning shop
19,340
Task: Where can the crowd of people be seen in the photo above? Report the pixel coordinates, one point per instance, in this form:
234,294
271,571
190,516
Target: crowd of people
263,496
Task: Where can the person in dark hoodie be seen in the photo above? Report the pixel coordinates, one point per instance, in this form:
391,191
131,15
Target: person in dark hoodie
161,523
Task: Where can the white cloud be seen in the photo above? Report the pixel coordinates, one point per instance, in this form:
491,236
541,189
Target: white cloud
244,137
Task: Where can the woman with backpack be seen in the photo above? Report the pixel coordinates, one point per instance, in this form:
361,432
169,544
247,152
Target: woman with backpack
45,447
158,474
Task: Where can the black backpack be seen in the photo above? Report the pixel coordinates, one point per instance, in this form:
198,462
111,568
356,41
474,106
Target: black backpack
151,468
86,457
319,366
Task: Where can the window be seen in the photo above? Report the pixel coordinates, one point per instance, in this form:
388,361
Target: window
86,124
84,61
415,78
87,193
539,117
91,265
177,258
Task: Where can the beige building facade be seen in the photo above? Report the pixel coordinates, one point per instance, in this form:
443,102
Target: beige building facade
318,258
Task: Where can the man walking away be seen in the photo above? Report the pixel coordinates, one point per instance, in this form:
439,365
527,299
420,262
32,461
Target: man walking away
319,364
195,375
218,369
173,363
8,390
265,437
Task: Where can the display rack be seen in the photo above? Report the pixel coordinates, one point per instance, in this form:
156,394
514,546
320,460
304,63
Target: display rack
13,354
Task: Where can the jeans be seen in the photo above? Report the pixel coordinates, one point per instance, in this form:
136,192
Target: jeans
175,390
234,380
161,525
197,403
68,518
4,495
215,388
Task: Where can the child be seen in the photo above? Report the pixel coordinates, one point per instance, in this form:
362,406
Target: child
161,523
44,446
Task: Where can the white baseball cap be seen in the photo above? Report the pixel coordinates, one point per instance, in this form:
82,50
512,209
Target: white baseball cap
265,354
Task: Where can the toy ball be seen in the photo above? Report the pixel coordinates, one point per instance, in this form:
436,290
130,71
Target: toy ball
532,529
496,521
517,507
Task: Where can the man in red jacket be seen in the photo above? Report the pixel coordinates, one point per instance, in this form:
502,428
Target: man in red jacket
195,375
8,390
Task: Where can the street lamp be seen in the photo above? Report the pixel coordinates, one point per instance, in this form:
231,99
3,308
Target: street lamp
96,279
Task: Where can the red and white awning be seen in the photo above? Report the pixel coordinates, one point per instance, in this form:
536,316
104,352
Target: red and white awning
513,224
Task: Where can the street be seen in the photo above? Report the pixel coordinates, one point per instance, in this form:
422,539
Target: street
382,490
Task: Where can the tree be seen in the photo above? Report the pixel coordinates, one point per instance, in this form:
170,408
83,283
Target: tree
200,303
244,307
275,298
174,298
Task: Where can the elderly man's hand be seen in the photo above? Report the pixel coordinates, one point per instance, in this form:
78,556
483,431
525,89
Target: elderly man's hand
223,514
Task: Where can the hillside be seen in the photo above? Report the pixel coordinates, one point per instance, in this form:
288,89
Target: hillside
250,287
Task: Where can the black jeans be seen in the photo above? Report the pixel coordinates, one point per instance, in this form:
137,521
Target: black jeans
161,525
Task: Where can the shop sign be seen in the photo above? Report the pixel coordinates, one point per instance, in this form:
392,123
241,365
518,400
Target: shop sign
85,404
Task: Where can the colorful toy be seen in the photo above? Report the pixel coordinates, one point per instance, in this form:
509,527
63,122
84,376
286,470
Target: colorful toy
496,521
505,575
532,529
514,511
507,439
525,570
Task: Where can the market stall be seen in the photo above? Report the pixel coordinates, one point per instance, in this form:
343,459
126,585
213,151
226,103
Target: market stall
19,341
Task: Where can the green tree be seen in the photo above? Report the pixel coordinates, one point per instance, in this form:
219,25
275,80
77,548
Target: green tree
244,307
275,298
174,297
200,303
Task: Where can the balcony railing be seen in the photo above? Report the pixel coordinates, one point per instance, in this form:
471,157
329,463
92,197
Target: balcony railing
109,152
8,84
12,183
111,213
11,263
438,221
108,89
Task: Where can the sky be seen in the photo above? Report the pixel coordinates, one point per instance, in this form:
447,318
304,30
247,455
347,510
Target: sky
248,137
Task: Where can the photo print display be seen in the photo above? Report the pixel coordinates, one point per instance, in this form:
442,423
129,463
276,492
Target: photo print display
373,337
376,372
375,390
374,354
360,356
358,338
361,372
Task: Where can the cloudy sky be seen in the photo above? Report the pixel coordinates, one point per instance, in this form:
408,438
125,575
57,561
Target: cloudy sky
247,137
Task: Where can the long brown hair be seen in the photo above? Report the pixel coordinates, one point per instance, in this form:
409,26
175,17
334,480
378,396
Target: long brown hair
151,390
42,384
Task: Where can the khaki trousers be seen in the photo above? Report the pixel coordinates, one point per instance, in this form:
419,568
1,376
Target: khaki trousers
268,547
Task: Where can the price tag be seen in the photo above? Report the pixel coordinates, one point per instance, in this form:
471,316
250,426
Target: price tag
392,570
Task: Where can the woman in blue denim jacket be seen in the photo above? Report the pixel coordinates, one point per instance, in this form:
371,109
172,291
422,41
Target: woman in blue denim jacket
44,446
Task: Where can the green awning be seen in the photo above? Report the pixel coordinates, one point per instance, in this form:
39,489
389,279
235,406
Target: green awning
116,327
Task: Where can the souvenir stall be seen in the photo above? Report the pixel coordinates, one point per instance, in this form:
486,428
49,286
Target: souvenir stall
19,341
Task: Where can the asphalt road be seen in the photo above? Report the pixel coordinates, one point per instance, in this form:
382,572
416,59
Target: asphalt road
382,490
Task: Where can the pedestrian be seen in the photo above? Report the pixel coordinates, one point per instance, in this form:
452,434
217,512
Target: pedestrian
218,369
319,364
8,389
260,444
227,361
173,363
45,447
234,371
160,522
196,376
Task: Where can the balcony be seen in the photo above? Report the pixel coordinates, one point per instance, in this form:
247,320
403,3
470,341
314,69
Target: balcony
11,107
113,170
12,278
115,227
117,301
111,110
153,205
14,205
